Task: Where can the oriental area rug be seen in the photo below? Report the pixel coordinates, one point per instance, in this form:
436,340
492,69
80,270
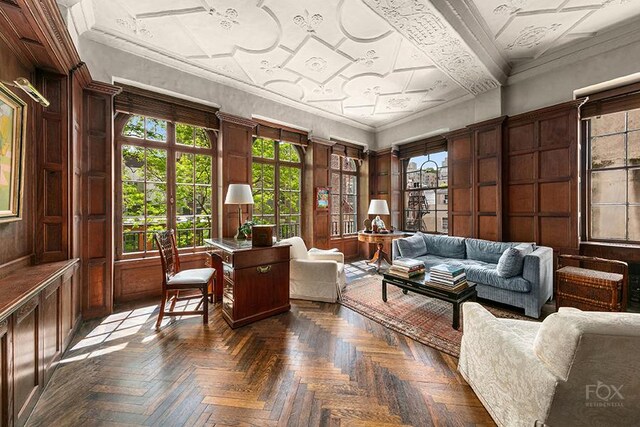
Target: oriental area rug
426,320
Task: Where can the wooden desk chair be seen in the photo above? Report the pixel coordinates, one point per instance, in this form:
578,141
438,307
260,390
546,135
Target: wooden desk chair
175,280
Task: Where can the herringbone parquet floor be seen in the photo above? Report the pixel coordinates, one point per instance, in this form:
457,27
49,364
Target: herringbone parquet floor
320,364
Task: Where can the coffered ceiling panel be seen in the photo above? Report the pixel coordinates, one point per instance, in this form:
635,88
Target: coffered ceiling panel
366,62
526,29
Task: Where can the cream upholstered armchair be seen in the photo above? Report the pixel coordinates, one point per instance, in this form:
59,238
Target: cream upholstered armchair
575,368
315,275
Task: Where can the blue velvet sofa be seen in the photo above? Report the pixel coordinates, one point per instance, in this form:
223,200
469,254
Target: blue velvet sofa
530,289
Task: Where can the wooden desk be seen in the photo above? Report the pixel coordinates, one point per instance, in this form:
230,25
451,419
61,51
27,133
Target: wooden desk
255,282
380,239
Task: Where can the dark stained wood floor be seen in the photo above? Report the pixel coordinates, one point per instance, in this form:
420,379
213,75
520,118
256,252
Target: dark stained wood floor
319,364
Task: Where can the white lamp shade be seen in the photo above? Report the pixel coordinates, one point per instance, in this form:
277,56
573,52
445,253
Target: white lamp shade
239,194
378,207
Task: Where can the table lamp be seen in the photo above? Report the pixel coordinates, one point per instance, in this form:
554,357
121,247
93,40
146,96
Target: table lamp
239,194
378,207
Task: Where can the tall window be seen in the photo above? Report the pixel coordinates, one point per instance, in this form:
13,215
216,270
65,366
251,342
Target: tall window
277,183
166,173
613,176
344,196
426,194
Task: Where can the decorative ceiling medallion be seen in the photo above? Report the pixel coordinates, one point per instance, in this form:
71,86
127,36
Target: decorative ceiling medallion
268,67
134,26
398,103
510,7
316,64
322,90
375,90
227,19
418,21
531,36
611,2
368,58
308,23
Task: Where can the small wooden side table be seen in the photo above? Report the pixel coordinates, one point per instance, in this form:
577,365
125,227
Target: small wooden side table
380,239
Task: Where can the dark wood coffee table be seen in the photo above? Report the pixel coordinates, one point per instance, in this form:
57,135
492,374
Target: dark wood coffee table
420,285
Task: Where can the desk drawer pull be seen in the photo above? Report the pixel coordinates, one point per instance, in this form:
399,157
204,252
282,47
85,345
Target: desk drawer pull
263,270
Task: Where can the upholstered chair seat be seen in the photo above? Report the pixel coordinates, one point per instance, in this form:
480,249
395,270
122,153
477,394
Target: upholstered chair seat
315,275
574,368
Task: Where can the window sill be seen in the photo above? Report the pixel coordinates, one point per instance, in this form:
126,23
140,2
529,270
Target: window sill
611,244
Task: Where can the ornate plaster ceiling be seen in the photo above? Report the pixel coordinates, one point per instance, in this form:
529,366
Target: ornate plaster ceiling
526,29
366,61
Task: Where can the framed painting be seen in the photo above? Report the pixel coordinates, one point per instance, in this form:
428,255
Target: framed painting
13,120
322,198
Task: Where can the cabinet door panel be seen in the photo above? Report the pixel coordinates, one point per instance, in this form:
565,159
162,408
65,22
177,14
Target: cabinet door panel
26,360
262,288
51,327
4,374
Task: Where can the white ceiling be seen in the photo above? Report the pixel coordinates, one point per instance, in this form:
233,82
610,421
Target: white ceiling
366,62
526,29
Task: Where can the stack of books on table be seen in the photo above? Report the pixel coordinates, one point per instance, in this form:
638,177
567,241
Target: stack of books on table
406,267
451,277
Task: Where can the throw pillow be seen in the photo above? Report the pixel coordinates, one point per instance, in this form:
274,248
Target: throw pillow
510,263
412,247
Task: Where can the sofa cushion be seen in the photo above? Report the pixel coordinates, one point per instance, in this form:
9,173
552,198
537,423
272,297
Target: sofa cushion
445,246
486,250
488,275
412,246
510,263
432,260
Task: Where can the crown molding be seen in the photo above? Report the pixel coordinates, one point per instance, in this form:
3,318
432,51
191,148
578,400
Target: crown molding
236,120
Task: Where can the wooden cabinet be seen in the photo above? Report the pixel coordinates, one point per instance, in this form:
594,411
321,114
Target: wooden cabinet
37,322
255,282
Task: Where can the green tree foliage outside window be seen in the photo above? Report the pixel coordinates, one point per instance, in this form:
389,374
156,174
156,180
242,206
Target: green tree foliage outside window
277,183
146,188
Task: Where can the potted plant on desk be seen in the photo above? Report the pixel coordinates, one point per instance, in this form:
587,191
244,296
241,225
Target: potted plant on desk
245,229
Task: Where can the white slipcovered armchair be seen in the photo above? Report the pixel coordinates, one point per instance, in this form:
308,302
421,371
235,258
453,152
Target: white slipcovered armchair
575,368
315,275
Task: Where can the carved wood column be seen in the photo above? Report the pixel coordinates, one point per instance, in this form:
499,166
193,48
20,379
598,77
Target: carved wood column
236,137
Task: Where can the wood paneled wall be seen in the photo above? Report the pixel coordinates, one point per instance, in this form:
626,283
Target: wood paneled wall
461,207
514,178
385,183
235,152
321,218
541,177
52,184
487,182
97,204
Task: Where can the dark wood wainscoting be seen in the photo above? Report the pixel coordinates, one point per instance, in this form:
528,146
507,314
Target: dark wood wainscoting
136,279
37,322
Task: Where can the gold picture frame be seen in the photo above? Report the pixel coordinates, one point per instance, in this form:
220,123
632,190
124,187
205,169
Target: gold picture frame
13,126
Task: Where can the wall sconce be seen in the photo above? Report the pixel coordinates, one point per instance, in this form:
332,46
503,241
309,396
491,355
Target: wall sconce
30,90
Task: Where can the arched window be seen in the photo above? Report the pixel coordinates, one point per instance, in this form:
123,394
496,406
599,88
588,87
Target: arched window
426,194
166,181
344,196
277,185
